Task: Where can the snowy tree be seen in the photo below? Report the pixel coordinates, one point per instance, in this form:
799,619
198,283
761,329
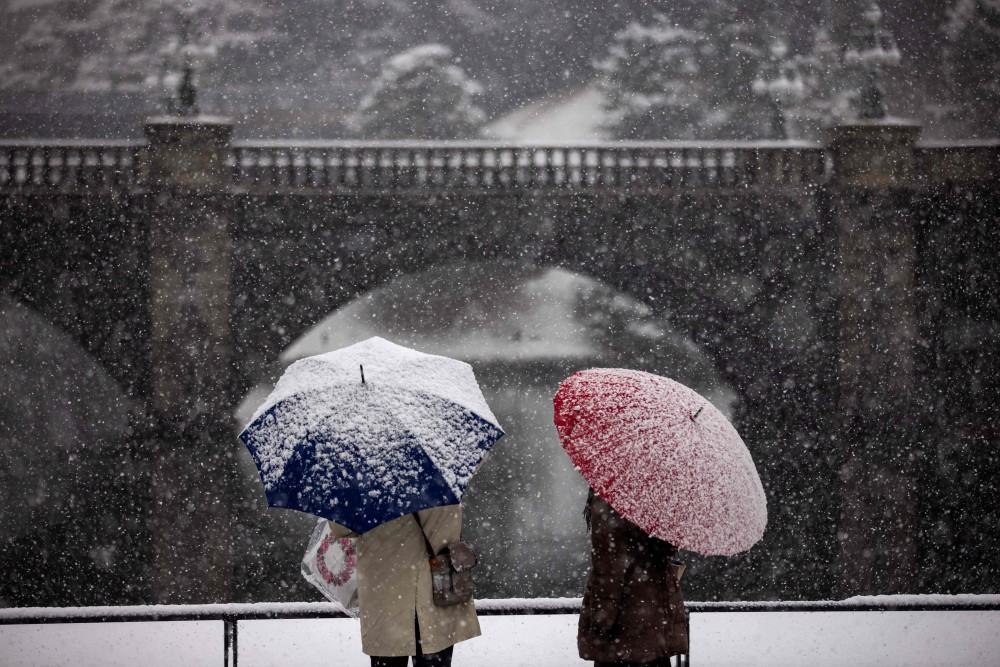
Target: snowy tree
841,73
421,94
38,59
662,81
972,57
731,54
650,80
827,95
778,82
120,44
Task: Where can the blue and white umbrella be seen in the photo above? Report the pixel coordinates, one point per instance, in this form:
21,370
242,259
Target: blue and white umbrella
370,433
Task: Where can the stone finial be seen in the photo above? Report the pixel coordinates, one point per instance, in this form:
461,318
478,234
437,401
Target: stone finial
187,95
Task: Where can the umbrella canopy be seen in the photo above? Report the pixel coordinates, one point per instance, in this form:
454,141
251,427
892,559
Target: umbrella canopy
664,457
369,433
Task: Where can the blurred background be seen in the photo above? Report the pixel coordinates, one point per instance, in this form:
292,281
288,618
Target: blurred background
87,480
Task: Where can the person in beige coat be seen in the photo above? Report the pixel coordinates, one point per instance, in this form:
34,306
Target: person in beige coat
398,614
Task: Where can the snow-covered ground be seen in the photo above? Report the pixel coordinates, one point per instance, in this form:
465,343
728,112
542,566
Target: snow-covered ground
565,116
817,639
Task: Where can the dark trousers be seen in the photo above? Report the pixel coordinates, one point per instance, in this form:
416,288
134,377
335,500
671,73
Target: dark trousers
440,659
661,662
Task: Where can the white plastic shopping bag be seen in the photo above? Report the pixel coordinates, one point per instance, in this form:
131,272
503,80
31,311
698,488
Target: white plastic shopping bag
329,565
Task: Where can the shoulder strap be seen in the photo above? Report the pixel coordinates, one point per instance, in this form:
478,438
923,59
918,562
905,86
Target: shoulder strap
427,542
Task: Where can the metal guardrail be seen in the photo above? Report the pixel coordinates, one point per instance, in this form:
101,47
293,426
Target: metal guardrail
232,614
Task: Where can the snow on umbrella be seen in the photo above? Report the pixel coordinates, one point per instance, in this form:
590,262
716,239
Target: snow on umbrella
369,433
664,457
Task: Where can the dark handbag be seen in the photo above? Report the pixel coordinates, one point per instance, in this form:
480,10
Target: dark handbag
451,571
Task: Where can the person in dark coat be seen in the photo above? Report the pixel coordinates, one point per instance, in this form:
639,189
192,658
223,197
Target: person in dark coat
632,612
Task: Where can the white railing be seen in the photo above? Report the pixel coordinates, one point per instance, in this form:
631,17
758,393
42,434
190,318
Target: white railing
485,166
423,166
70,164
232,614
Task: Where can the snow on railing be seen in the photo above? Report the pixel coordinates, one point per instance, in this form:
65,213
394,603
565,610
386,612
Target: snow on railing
401,166
70,164
958,161
424,166
232,614
504,607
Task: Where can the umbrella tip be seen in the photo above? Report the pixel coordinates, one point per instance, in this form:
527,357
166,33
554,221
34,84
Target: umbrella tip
695,415
362,373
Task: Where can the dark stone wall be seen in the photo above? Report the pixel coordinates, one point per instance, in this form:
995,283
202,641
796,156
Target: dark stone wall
82,262
722,266
958,274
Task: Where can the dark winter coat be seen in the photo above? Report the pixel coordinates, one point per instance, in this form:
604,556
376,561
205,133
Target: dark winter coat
632,609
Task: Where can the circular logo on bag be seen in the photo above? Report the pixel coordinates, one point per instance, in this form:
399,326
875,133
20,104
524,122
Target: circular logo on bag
350,560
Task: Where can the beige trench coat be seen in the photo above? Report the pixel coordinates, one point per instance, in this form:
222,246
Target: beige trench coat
394,584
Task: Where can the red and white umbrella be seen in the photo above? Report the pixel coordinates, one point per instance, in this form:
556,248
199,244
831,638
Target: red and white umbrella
664,457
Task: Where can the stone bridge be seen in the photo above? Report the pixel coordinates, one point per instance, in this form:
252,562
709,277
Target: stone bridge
847,290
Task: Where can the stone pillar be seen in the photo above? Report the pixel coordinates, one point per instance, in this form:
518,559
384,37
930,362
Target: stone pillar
190,357
874,336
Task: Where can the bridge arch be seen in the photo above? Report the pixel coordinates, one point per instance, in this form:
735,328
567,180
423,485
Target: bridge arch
524,329
64,422
737,276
